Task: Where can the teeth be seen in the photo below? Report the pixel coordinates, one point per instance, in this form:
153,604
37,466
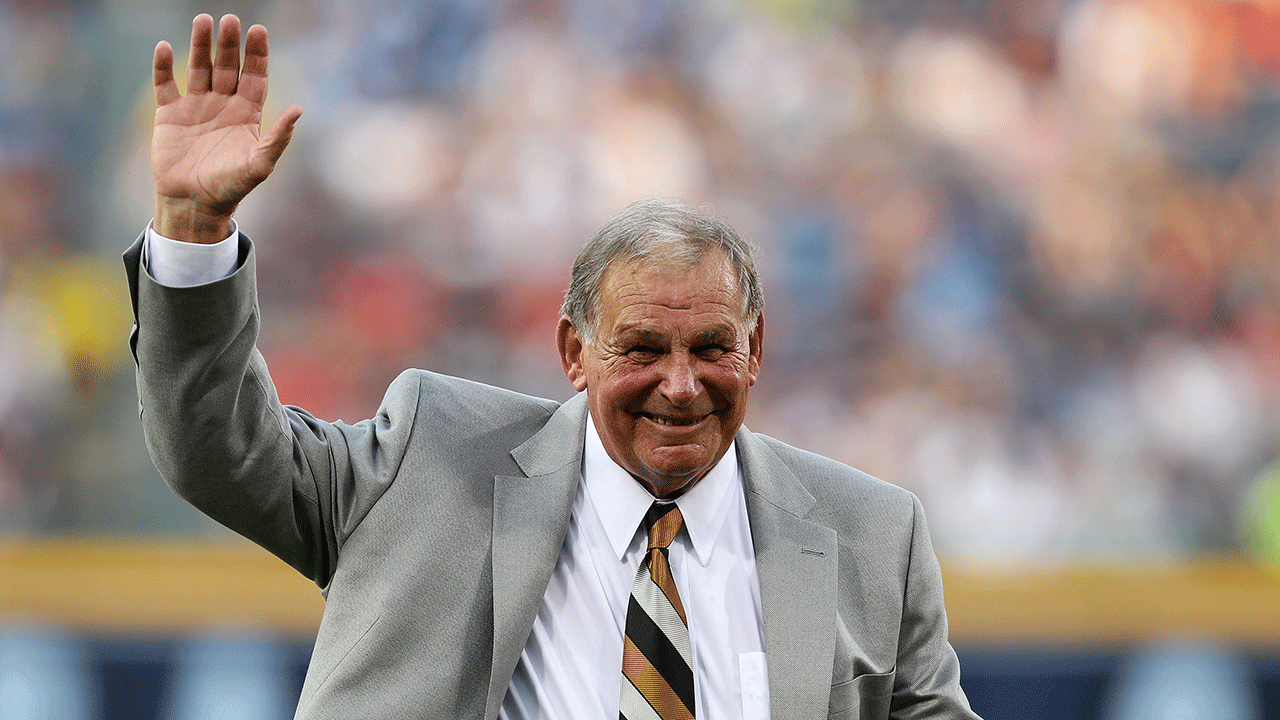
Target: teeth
670,422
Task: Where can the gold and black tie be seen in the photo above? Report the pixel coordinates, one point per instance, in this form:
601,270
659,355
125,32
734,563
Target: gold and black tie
657,663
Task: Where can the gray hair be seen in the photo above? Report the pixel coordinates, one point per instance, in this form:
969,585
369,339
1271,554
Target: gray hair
665,231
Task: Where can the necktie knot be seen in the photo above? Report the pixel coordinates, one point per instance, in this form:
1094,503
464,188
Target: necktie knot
663,522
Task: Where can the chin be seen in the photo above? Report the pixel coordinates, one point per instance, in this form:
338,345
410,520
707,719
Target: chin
678,475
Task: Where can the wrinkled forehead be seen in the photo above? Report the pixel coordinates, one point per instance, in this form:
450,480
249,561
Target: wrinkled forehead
707,277
664,300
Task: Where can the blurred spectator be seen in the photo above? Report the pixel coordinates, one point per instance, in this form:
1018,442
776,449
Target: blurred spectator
1021,256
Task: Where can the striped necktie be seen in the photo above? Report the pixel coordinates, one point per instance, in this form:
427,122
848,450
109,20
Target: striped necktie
657,664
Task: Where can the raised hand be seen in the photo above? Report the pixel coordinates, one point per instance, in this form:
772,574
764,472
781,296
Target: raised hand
207,149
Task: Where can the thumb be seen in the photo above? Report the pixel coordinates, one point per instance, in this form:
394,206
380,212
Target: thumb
277,137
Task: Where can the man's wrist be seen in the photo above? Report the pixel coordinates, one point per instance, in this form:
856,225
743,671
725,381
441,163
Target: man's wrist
186,221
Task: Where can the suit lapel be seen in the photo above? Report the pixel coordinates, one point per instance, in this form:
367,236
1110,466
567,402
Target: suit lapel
530,520
796,561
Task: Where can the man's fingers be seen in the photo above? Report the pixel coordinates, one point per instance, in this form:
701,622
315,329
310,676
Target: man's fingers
253,78
162,75
226,66
200,64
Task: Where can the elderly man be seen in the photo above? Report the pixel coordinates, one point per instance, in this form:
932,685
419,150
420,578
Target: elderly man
634,552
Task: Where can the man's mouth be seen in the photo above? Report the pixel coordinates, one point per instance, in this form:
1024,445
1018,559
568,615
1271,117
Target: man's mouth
668,421
672,422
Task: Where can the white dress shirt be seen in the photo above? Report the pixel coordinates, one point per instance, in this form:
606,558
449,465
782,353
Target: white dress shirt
571,667
180,264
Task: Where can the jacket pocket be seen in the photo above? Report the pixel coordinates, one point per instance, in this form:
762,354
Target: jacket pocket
865,697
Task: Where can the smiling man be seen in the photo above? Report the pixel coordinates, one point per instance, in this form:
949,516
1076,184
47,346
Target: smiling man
669,345
632,553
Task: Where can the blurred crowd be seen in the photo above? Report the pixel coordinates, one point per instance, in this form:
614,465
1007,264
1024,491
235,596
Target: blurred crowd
1020,256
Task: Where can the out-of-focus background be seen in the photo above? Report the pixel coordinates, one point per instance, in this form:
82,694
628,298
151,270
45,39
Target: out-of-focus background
1021,257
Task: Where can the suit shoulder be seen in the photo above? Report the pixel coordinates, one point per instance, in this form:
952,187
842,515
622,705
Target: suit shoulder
840,489
468,403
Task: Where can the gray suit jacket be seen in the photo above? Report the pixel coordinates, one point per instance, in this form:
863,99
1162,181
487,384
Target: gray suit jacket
433,528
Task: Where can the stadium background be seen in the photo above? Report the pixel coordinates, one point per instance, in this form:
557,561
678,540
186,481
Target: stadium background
1021,257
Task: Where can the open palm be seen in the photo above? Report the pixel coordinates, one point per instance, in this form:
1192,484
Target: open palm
207,149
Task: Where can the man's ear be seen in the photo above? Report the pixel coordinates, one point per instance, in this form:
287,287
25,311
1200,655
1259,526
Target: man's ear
756,349
572,347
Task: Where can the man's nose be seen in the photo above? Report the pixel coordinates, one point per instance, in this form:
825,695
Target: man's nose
679,381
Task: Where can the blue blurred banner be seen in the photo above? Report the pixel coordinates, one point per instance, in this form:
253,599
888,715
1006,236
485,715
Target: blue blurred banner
259,677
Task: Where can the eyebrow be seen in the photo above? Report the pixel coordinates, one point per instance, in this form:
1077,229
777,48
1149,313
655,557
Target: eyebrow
642,335
722,336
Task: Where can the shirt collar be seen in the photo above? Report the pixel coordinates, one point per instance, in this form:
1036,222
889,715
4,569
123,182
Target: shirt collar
620,502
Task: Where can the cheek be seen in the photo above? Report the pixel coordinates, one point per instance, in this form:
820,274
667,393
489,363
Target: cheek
615,400
626,385
730,382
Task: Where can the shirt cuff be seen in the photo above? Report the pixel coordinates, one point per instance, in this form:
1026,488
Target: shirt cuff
174,263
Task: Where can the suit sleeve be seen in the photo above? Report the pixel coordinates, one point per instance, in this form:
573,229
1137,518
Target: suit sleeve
221,438
927,682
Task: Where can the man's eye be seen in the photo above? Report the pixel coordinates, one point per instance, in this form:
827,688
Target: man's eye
642,352
710,352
